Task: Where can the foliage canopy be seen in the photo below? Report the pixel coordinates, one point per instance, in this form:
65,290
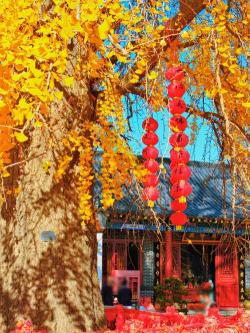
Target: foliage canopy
120,51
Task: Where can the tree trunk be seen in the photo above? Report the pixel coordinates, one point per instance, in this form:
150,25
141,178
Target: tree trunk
54,284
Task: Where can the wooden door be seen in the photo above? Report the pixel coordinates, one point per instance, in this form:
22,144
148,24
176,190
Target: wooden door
226,277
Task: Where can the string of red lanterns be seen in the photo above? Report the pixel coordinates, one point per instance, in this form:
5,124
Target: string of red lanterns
179,157
150,154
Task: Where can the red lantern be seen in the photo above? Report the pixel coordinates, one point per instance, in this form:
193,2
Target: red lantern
174,73
151,180
151,193
178,124
178,218
176,89
178,140
188,190
151,165
172,165
150,152
177,106
180,188
179,156
150,125
150,138
179,206
180,172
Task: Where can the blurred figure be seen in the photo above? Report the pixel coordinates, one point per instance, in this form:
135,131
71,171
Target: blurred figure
107,292
211,293
124,294
148,305
141,307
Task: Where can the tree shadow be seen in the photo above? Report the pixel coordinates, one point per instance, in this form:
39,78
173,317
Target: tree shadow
54,284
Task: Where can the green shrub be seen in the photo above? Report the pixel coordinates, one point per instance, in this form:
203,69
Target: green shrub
170,292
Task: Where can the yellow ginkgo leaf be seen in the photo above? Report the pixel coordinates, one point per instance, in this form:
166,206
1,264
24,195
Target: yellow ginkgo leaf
238,51
68,81
240,95
21,137
152,75
38,123
46,166
2,104
185,34
150,203
3,92
246,104
17,190
163,42
35,91
103,29
134,79
5,173
59,95
121,58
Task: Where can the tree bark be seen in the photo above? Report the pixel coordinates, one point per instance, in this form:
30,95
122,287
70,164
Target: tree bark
54,284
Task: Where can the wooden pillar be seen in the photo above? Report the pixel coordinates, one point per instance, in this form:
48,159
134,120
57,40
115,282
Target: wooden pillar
169,254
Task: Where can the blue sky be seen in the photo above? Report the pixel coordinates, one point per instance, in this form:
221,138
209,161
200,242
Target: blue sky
203,148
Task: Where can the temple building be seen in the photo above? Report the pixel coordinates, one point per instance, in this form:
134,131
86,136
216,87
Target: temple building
138,241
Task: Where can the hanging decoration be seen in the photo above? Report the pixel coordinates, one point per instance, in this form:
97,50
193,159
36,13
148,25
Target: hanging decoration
179,157
150,154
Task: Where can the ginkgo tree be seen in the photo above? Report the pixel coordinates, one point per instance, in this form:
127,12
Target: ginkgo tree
66,67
